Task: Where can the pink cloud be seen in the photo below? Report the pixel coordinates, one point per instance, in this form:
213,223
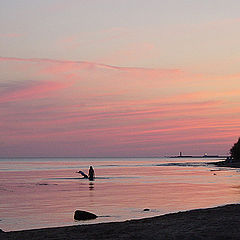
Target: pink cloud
32,90
91,65
133,110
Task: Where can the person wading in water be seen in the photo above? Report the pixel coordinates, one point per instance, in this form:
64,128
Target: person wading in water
91,174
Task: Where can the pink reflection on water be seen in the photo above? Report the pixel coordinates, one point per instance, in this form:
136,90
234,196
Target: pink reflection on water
49,194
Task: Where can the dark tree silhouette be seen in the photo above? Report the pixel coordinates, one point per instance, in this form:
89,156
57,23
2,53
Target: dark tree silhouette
235,151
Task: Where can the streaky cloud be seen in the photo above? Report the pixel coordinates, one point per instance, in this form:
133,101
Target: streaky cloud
89,64
113,109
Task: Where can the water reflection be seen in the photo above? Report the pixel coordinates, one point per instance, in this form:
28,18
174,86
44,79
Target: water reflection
123,190
91,186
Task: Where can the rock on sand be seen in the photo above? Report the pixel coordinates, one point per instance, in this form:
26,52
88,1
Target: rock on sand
83,215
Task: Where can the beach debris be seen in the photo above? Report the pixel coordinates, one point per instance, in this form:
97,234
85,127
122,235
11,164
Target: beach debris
84,215
146,209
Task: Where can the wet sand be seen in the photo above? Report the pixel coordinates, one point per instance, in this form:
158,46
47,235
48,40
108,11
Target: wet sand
212,223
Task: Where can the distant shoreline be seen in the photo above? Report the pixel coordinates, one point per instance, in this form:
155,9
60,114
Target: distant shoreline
205,156
211,223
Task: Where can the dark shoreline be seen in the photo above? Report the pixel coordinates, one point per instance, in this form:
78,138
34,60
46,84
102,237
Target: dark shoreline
226,163
212,223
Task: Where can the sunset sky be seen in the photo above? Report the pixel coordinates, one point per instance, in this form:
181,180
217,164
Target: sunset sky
102,78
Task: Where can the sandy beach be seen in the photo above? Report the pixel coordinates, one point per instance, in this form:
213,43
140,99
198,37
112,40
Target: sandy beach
213,223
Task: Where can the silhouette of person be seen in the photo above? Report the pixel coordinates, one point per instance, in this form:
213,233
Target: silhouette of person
91,174
83,174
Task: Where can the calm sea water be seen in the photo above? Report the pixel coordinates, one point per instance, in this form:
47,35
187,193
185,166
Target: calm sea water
45,192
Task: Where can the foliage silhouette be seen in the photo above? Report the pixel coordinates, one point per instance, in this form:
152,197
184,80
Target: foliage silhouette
235,151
